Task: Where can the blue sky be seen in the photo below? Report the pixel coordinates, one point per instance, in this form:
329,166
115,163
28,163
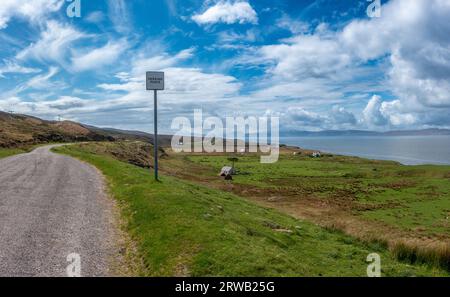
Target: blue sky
321,64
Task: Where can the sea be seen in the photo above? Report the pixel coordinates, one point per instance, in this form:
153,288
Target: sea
408,150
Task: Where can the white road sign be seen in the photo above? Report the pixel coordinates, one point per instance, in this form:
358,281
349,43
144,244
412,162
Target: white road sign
155,80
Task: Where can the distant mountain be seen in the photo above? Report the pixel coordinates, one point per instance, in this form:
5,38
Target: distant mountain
336,133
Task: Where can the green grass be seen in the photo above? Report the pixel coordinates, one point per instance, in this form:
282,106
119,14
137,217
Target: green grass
7,152
10,152
407,197
185,229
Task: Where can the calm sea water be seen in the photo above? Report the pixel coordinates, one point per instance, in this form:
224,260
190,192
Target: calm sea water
408,150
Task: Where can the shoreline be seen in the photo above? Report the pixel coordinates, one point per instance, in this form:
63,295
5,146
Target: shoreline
340,145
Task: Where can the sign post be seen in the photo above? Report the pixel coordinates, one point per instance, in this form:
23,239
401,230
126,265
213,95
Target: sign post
155,82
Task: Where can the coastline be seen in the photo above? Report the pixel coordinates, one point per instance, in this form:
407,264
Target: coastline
407,150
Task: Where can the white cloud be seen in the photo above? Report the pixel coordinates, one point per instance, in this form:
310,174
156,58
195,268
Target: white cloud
65,106
60,43
119,15
54,44
95,17
143,63
99,57
387,113
293,25
409,41
41,81
414,34
183,84
340,116
229,37
306,56
13,67
321,74
372,113
65,103
32,10
302,119
227,12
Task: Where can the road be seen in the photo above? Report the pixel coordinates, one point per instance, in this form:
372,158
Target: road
52,206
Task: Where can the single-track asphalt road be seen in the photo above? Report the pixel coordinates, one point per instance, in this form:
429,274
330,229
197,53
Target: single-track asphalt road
52,206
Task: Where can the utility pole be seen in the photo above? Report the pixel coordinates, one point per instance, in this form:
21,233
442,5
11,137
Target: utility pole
155,82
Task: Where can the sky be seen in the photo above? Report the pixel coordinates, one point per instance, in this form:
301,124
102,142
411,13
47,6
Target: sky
318,65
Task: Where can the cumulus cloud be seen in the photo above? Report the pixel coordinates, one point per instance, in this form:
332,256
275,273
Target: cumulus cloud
340,117
306,56
337,118
411,42
302,116
318,78
227,12
372,113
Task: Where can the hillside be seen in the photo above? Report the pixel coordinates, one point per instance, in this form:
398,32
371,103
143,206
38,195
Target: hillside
21,130
163,140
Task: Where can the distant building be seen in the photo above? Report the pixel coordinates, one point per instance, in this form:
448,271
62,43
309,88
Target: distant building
316,155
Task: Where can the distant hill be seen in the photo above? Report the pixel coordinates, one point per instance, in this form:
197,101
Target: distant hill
163,140
336,133
20,130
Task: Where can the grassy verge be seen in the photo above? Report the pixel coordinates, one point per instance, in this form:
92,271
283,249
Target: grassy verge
183,229
7,152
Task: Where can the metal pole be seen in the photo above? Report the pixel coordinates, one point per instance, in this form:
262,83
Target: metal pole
155,142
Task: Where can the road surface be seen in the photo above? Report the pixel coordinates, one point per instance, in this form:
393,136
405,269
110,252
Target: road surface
52,206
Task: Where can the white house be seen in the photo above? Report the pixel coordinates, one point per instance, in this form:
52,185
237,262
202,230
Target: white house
316,155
